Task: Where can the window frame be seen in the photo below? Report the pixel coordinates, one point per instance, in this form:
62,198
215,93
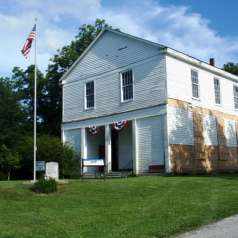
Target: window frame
85,95
197,84
220,95
235,97
121,86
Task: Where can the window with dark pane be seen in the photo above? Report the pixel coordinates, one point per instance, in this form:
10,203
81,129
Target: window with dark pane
127,85
90,94
195,84
217,91
235,89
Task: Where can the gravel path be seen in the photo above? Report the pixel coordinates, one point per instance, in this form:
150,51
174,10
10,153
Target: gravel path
227,228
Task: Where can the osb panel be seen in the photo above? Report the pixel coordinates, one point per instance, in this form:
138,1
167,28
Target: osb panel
187,105
183,159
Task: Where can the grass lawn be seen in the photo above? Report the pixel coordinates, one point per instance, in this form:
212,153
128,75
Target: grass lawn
133,207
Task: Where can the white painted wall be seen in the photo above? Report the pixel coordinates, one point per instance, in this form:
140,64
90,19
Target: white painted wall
180,126
93,142
125,148
150,142
107,55
103,63
179,86
210,130
230,132
73,138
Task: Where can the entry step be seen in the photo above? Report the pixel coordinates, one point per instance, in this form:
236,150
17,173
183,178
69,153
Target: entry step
119,174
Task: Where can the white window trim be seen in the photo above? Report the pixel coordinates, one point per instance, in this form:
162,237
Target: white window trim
121,87
85,98
217,104
199,95
234,85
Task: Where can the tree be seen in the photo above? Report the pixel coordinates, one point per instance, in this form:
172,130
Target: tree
12,116
8,160
22,82
16,108
231,67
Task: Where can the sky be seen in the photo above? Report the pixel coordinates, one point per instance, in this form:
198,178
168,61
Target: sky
201,28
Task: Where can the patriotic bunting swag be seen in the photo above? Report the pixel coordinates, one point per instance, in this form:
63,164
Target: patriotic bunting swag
119,125
93,130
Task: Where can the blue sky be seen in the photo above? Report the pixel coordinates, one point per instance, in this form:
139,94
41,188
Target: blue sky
201,28
220,13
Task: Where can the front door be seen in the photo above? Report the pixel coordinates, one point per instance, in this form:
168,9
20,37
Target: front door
114,150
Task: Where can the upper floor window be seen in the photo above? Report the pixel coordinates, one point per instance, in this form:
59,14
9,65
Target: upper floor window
235,90
195,84
127,85
89,95
217,91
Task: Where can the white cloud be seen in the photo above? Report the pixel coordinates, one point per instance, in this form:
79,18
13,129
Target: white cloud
59,20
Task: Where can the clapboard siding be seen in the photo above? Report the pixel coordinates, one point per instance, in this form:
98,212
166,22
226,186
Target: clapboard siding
105,55
93,143
150,136
179,86
149,90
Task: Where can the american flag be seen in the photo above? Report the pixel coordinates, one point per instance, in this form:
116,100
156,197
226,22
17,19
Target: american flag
27,46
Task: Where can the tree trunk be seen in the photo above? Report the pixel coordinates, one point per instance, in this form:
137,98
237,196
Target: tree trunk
9,175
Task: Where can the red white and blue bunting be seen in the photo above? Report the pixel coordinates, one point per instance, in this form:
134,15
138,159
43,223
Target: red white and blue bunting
119,125
93,130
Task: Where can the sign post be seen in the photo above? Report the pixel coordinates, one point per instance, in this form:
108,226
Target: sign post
40,166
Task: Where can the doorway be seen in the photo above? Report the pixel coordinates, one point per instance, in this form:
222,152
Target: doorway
115,150
122,148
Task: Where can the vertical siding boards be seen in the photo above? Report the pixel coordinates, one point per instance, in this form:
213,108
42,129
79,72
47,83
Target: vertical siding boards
210,130
149,78
230,133
180,126
150,136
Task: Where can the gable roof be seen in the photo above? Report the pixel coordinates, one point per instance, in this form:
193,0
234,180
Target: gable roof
170,51
96,39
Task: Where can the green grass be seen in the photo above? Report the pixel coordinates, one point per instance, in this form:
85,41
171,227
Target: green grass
133,207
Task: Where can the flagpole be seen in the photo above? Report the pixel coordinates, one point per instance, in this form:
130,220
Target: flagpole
35,112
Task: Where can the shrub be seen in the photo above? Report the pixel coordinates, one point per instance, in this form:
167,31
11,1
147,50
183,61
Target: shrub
49,149
3,176
45,186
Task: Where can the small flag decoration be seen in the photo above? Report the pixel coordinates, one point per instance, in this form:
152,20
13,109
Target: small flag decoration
119,125
27,46
93,130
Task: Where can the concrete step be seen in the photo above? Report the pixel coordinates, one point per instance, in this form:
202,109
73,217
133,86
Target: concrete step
113,174
118,174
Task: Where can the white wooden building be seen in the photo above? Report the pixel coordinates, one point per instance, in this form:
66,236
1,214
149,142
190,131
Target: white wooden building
181,113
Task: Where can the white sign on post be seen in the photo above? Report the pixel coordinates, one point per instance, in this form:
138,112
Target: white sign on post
93,162
52,170
40,165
